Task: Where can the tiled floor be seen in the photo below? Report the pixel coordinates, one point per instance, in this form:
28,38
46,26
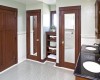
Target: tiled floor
29,70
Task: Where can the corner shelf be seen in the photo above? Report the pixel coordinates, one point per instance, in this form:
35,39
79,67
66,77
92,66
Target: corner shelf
51,50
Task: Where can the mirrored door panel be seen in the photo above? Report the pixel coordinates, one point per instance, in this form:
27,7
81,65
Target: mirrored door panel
69,41
34,34
69,38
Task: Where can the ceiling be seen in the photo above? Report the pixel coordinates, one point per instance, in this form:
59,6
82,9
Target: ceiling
49,2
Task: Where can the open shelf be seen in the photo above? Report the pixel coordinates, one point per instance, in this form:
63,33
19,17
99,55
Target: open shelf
51,50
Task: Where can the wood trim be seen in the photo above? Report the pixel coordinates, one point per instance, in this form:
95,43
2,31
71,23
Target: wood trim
70,8
62,10
53,60
80,78
43,60
57,64
38,13
8,8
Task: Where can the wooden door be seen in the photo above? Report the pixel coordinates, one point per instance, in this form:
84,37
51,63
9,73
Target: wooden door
69,35
8,37
34,34
1,39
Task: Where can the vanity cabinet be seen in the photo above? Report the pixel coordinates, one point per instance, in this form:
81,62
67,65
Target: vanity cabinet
97,18
80,78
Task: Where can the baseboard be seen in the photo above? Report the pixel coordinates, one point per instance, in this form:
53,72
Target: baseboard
57,64
43,60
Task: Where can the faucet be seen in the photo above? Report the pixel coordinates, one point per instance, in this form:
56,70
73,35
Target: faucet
98,46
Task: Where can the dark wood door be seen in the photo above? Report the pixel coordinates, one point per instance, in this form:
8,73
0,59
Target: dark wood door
1,39
8,37
64,48
36,28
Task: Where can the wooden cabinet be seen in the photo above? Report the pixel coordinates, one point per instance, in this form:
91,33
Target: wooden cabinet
97,18
80,78
8,37
51,46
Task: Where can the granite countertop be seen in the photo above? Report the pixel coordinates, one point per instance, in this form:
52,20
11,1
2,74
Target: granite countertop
87,55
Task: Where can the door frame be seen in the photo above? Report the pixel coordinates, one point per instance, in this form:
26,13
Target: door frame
38,13
77,34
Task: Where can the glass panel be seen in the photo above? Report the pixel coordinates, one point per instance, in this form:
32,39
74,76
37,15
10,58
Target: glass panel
55,20
32,37
69,23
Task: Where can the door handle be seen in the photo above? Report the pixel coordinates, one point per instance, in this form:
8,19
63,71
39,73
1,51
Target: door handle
62,42
37,40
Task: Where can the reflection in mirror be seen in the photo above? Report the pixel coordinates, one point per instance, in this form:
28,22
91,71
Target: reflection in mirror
69,24
33,37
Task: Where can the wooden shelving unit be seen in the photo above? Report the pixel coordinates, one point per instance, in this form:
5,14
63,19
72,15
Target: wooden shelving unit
51,46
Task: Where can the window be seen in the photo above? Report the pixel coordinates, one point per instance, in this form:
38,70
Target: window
53,18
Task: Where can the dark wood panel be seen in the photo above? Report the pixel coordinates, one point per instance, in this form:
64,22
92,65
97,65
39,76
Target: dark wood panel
11,49
2,7
1,49
8,37
10,20
80,78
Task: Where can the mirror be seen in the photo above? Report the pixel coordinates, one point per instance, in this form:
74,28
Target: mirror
33,35
69,25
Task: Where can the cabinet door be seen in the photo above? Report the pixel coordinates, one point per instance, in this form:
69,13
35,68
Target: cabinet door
1,40
79,78
1,49
10,52
10,38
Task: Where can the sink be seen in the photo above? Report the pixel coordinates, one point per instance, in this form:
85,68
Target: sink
91,48
92,66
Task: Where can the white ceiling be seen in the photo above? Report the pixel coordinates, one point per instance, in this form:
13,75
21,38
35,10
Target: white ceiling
50,2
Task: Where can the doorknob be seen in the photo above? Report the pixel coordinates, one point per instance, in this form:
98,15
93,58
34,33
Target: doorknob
62,42
37,40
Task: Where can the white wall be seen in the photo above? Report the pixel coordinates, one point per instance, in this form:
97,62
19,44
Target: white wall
52,7
21,26
87,17
46,26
